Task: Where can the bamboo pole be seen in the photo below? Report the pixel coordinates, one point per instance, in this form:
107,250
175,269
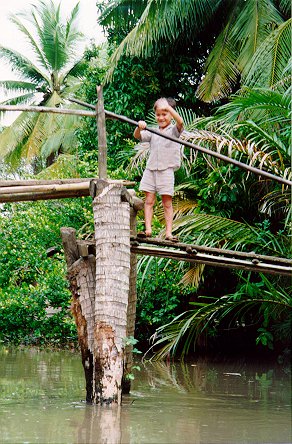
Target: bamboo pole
224,262
101,131
112,115
47,109
32,197
194,249
47,188
31,191
193,146
29,182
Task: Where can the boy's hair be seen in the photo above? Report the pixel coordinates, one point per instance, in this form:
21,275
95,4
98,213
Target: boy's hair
170,101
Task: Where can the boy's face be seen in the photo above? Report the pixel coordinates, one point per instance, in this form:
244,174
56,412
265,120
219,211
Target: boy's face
163,117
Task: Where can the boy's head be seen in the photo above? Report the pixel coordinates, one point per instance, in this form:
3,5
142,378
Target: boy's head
162,111
160,103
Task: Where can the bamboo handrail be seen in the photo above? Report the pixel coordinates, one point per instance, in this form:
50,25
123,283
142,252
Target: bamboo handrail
192,145
152,130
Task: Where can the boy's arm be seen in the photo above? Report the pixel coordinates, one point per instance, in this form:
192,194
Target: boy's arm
177,118
141,126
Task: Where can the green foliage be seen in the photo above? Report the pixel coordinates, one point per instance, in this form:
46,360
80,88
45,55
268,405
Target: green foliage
239,37
34,295
160,297
253,303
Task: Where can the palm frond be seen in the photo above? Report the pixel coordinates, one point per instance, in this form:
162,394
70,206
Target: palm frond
65,166
277,202
273,105
122,13
22,65
58,43
266,67
221,70
12,136
18,100
265,298
236,148
214,231
163,20
252,26
63,137
33,43
285,6
193,276
16,86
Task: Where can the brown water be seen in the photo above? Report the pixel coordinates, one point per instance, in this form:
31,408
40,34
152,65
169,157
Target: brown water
42,393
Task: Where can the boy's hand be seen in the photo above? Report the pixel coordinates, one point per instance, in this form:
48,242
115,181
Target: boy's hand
142,125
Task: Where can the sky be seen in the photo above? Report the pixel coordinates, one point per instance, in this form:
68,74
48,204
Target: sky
9,36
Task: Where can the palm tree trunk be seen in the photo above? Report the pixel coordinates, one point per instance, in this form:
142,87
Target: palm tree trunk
112,234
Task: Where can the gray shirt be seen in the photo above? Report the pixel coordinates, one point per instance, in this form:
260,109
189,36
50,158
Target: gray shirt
164,153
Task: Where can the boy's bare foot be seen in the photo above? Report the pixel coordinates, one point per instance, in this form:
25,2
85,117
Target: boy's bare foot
172,238
144,234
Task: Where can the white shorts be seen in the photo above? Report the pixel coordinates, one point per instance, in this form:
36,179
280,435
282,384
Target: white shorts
158,181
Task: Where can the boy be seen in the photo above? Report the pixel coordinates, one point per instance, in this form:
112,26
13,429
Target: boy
163,160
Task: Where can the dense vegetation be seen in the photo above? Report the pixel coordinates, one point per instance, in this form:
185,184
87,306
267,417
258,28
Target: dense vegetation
216,204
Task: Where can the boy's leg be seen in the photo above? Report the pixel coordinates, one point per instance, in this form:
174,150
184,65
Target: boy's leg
148,211
168,214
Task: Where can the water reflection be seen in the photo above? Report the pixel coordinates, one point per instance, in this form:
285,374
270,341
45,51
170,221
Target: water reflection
42,393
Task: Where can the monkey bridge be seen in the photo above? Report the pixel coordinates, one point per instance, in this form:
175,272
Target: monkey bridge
102,271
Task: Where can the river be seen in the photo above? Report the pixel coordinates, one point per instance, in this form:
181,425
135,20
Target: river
42,401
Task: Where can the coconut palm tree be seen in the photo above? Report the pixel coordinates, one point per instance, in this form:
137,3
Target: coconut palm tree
47,78
243,31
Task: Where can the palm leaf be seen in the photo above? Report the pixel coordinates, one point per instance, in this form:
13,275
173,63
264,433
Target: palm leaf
188,326
214,231
236,148
22,65
270,60
12,136
221,69
163,20
34,45
252,26
16,86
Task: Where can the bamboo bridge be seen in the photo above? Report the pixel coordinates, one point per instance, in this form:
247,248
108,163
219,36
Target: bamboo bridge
102,271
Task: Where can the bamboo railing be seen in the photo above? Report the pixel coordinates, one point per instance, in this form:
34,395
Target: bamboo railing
100,111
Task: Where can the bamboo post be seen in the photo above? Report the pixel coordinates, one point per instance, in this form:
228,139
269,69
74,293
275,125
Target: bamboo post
101,131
